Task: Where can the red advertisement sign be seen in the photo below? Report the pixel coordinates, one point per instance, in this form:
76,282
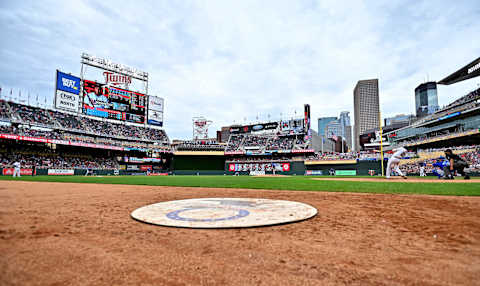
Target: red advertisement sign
23,172
145,167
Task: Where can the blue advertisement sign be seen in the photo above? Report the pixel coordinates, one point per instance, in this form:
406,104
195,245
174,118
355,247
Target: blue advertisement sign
68,83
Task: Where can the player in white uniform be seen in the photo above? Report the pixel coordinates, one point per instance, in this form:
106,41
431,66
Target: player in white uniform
422,170
395,160
16,169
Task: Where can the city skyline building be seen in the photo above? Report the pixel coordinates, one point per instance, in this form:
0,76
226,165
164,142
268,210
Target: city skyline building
322,124
335,127
366,108
426,99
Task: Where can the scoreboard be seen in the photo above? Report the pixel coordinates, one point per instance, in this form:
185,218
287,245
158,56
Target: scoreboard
113,102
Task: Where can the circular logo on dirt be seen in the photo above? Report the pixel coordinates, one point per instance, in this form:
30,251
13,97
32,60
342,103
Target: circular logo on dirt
223,213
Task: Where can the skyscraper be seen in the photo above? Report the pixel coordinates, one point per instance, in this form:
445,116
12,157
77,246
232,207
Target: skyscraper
346,127
366,108
322,124
426,99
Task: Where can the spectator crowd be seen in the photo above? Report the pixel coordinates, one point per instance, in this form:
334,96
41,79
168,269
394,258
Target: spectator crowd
242,142
426,158
25,121
31,158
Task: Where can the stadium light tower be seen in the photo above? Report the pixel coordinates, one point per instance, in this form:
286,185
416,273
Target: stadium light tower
200,127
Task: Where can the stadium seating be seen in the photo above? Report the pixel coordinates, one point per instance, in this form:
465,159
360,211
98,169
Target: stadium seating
263,142
31,115
45,160
427,157
60,125
4,110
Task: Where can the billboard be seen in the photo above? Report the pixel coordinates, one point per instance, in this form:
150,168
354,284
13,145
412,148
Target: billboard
155,110
66,100
60,172
294,126
23,172
113,102
253,128
248,167
68,83
307,121
67,92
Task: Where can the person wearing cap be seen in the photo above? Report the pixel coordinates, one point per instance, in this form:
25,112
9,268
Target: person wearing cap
456,164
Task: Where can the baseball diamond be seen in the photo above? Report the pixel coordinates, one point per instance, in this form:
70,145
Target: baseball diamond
239,143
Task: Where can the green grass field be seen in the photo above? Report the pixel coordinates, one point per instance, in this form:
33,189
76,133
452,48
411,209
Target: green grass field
295,183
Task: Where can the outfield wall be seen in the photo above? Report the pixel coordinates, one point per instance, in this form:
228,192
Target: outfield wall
296,168
361,168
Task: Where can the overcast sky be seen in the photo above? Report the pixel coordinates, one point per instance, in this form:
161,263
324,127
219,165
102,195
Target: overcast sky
236,60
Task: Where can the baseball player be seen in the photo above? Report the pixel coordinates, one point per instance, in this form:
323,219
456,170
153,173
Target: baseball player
422,170
16,169
438,168
456,164
395,160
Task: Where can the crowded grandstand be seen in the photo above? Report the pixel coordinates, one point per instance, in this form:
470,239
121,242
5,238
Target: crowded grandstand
45,138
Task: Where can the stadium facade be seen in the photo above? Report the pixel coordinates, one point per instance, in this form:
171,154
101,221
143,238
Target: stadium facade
456,124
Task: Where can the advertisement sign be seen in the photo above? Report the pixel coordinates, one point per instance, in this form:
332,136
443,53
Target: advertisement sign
116,79
155,110
68,83
294,126
449,116
145,167
60,172
155,117
345,172
307,121
23,172
246,167
113,103
142,160
66,100
313,172
255,127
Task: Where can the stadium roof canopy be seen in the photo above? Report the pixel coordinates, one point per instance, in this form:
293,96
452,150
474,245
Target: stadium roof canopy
469,71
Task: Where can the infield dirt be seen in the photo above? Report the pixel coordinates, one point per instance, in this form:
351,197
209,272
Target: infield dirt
82,234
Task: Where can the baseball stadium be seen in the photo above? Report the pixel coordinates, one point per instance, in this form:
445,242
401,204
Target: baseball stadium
140,143
95,192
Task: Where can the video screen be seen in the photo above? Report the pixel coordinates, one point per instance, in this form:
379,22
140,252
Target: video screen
113,103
